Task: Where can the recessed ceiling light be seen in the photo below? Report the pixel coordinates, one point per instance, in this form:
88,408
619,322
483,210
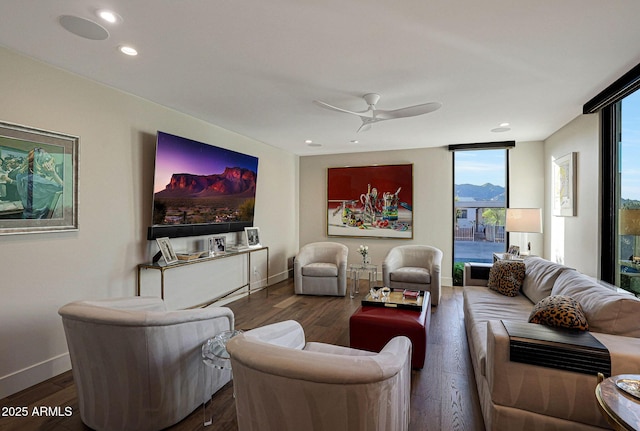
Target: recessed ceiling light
109,16
504,124
500,129
354,141
128,50
308,141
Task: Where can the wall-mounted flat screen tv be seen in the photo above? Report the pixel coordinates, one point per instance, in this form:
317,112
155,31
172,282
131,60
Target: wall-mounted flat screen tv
201,189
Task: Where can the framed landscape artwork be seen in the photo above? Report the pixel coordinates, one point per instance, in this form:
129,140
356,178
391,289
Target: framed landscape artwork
38,180
564,185
370,201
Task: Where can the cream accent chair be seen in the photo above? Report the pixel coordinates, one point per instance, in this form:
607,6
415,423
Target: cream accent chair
320,268
282,383
136,365
414,267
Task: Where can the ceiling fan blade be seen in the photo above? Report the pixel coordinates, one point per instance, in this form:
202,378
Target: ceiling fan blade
335,108
364,127
366,124
410,111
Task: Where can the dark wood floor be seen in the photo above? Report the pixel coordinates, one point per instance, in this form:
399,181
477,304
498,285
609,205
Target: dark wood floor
443,394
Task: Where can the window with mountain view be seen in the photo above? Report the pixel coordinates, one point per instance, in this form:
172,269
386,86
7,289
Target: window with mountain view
479,202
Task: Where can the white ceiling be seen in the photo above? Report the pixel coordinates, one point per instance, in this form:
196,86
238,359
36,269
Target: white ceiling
255,66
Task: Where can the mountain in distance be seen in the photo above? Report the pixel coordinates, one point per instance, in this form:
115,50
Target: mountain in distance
233,181
485,192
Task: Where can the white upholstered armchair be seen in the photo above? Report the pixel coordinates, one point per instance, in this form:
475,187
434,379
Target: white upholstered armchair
414,267
320,268
137,365
282,383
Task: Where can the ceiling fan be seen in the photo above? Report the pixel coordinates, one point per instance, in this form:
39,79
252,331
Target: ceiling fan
373,115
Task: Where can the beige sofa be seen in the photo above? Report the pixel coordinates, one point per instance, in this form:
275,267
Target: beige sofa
518,396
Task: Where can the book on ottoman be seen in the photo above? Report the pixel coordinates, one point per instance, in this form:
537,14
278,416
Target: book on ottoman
411,293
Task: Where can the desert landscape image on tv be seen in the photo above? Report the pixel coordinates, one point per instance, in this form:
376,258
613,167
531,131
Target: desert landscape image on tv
197,183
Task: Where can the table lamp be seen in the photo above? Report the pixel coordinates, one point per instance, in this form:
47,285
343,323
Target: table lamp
629,224
525,220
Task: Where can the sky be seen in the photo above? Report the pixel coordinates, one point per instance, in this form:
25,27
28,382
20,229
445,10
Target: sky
630,147
480,167
176,155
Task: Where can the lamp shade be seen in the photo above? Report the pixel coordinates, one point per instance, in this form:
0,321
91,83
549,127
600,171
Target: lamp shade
524,220
629,222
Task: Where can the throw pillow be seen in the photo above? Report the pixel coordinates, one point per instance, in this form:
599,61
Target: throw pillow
560,311
506,277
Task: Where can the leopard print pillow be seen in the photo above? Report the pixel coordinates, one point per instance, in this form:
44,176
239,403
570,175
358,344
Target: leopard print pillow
560,311
506,277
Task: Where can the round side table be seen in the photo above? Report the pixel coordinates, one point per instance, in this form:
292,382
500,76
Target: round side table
215,356
356,269
621,409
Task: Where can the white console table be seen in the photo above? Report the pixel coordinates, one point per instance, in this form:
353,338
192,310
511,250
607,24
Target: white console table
182,263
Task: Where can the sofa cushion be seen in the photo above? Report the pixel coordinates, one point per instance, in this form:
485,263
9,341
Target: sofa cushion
506,277
560,311
482,305
411,274
606,310
540,275
320,270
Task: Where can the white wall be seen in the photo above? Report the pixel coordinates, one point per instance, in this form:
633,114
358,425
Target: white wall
432,204
526,189
432,199
41,272
574,241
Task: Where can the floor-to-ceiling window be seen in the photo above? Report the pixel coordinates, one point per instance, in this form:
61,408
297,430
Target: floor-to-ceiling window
619,108
627,273
479,200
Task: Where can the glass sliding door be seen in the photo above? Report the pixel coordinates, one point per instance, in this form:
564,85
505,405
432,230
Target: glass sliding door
480,190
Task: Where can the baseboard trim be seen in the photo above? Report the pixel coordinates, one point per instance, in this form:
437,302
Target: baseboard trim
37,373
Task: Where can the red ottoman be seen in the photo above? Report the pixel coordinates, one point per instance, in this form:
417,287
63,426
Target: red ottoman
370,328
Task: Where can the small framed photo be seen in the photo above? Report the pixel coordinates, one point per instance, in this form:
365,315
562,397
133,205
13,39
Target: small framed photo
217,244
514,250
167,250
252,235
